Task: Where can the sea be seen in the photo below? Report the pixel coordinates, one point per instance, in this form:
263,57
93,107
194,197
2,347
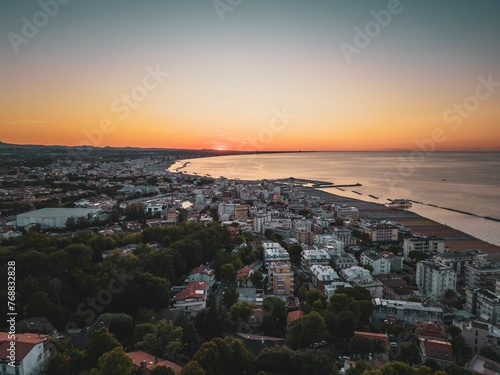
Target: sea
463,181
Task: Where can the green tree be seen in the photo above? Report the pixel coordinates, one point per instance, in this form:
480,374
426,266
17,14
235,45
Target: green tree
306,330
256,279
164,341
101,342
114,362
274,316
225,356
295,252
230,297
193,368
227,272
409,353
346,324
360,346
314,295
162,370
240,311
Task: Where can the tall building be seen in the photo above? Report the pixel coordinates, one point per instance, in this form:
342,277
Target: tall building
481,275
484,304
347,213
430,245
280,278
459,260
380,265
433,279
274,252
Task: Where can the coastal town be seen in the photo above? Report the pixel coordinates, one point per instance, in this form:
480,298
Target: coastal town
276,276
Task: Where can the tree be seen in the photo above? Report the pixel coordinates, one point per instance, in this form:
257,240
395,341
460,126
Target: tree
212,322
274,316
230,297
164,341
256,279
409,353
101,342
193,368
115,362
314,295
342,302
295,251
346,324
306,330
225,356
240,311
162,370
120,325
360,346
227,272
366,309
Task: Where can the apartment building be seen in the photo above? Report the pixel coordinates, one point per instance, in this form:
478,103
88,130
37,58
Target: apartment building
457,261
280,278
274,252
312,257
380,265
484,304
481,275
405,311
430,245
322,275
434,279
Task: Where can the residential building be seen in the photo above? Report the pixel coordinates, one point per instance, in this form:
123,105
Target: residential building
380,343
430,245
439,351
322,275
430,331
374,286
483,366
259,220
280,278
331,289
243,277
481,275
434,279
311,257
30,355
343,261
382,232
274,252
478,335
226,211
193,298
457,261
347,213
380,265
240,212
144,363
484,304
202,273
395,287
396,261
55,217
406,312
345,235
303,236
349,274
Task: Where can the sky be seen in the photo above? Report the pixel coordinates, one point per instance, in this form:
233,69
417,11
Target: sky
251,74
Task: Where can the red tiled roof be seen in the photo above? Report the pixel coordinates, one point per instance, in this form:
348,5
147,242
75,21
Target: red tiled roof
294,315
24,344
138,357
206,270
374,337
243,272
436,349
191,291
430,330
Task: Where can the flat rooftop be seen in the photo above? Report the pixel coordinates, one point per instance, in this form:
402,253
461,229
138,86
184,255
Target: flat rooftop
60,212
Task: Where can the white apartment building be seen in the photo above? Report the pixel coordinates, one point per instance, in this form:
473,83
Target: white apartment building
344,260
30,354
433,279
313,257
322,275
484,304
274,252
259,220
334,246
352,273
380,265
193,298
481,275
459,260
429,245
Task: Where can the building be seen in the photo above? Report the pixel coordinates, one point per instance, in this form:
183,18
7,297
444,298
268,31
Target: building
405,311
355,272
49,218
484,304
380,265
395,287
439,351
240,212
483,366
374,286
144,363
312,257
333,246
395,260
430,331
243,277
226,211
382,232
202,273
380,341
481,275
343,261
322,275
30,355
274,252
259,220
434,279
193,298
430,245
303,236
347,213
478,334
280,278
331,289
457,261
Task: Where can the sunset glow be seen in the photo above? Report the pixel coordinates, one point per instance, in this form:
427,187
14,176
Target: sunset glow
264,76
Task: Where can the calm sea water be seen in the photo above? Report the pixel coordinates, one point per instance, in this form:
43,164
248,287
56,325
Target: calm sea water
466,181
